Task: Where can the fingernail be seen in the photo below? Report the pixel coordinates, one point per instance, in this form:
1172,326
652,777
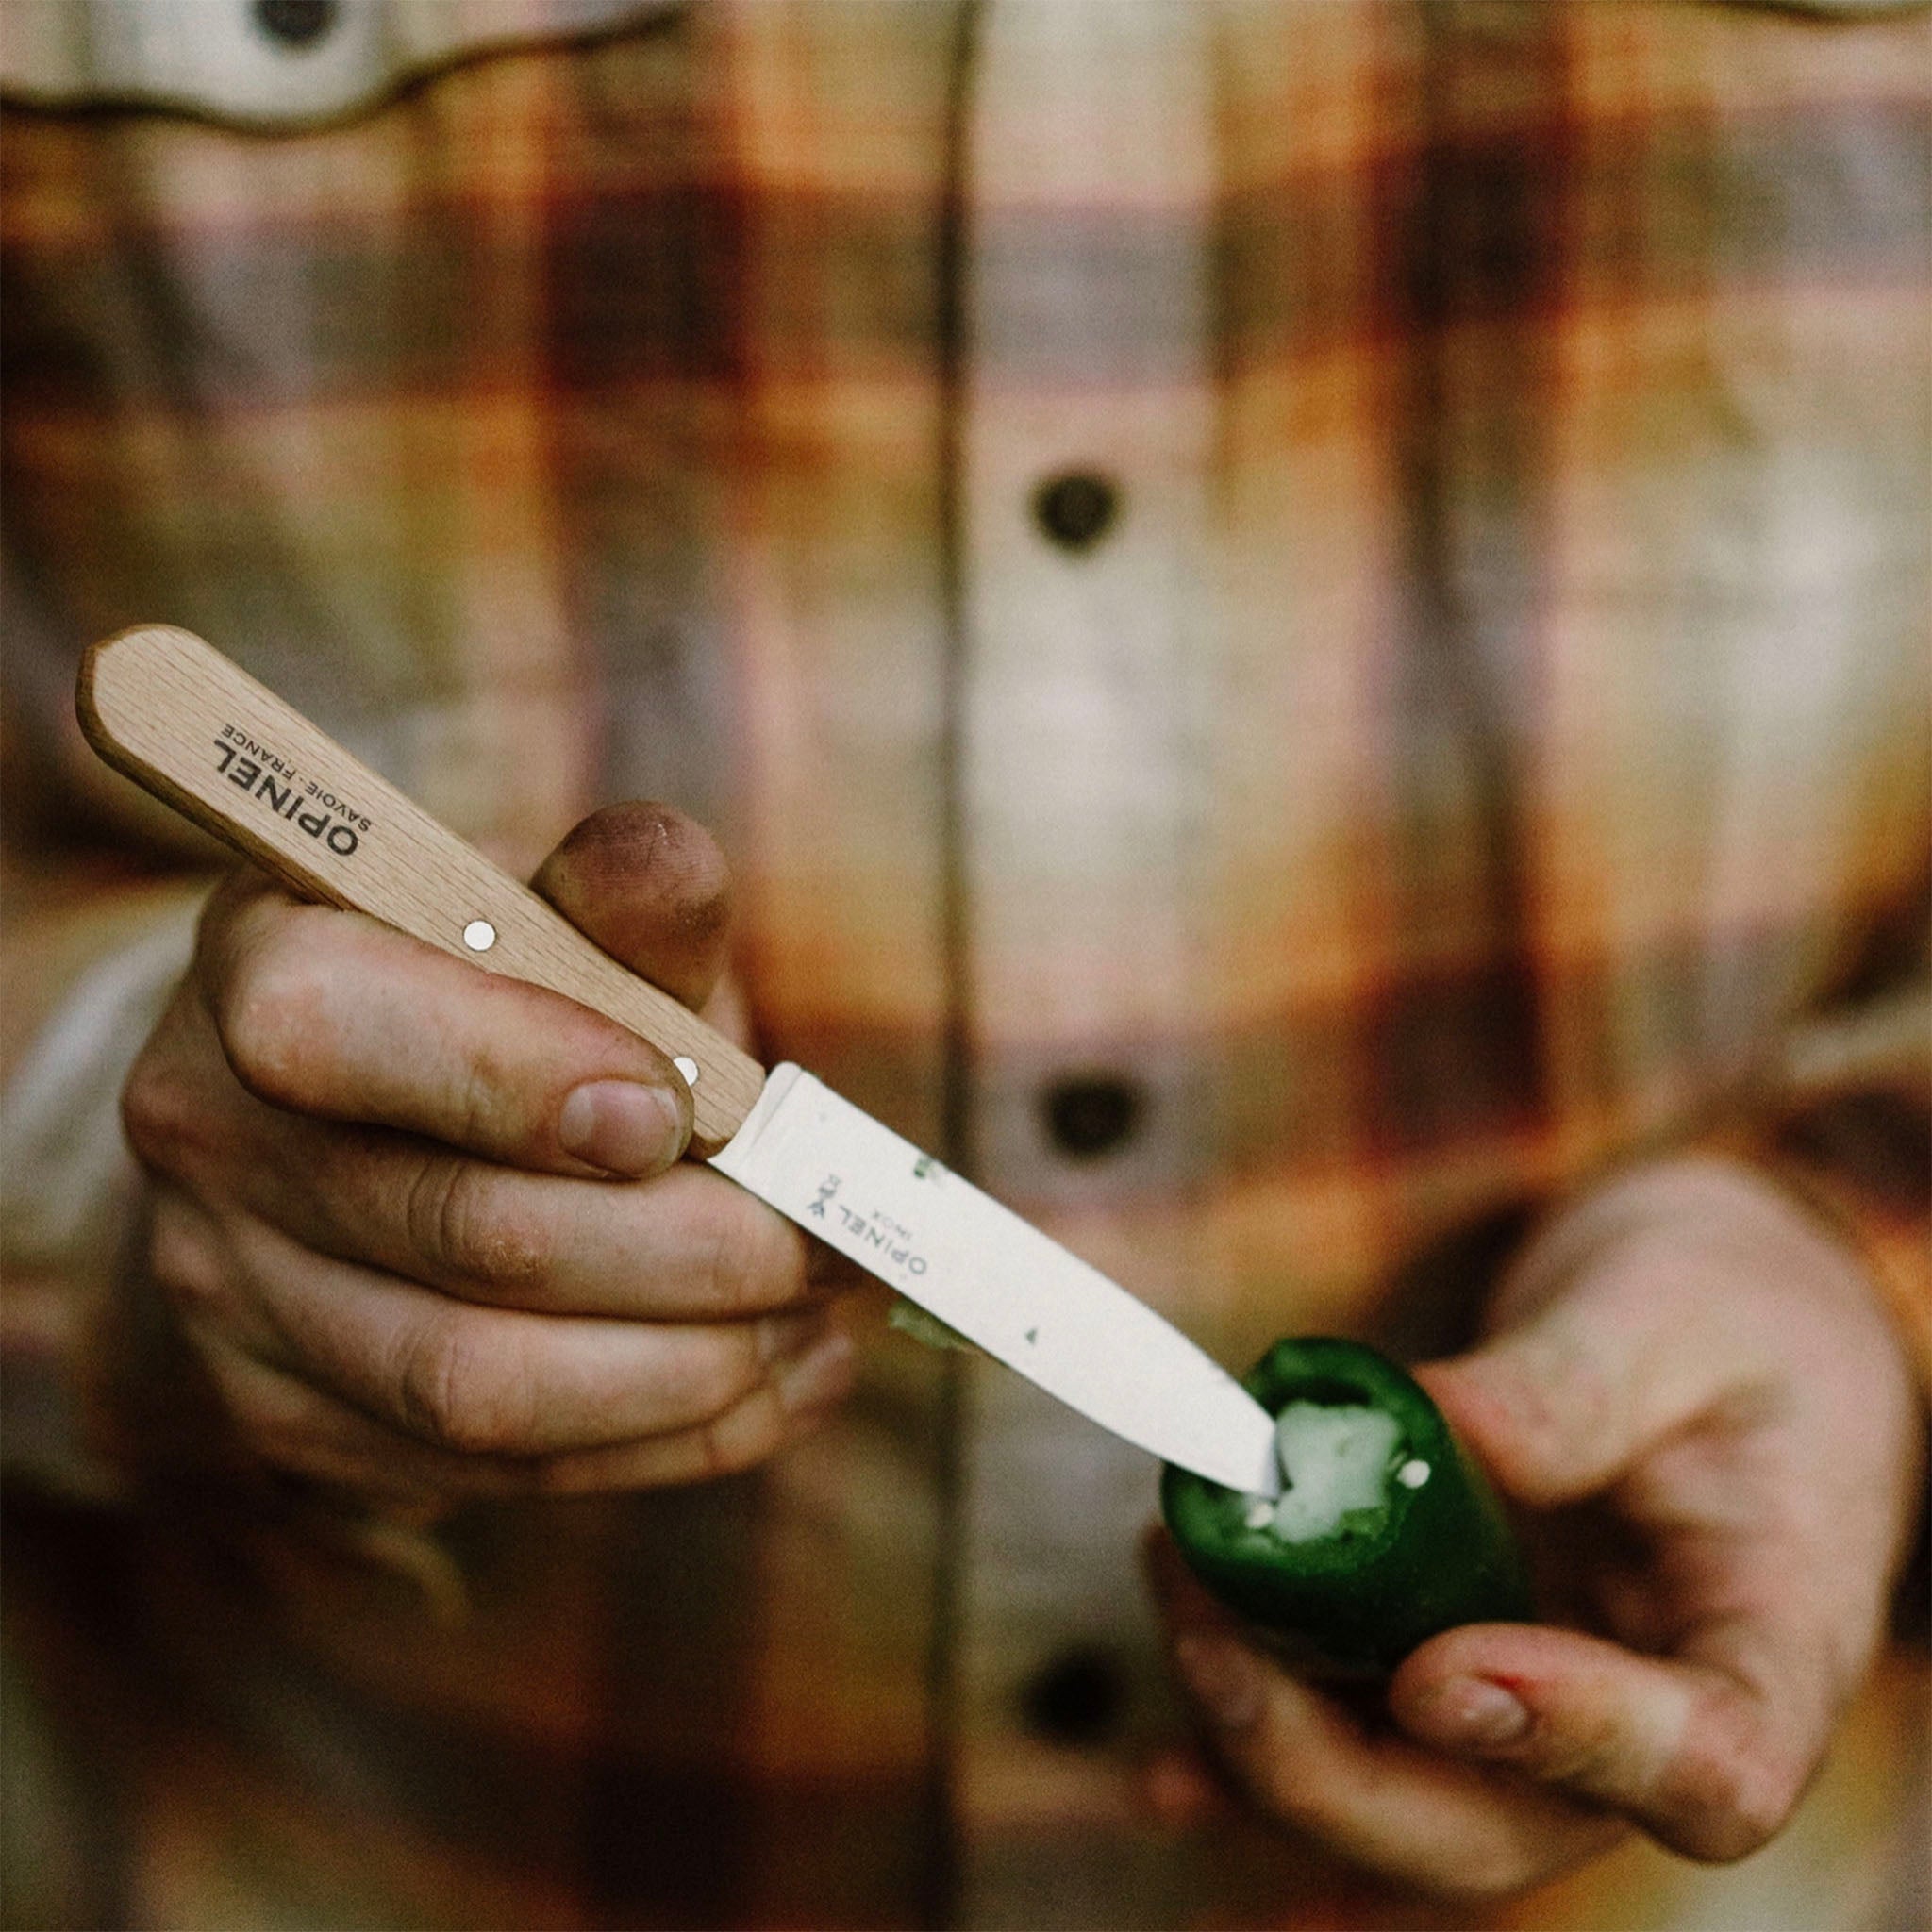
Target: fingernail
620,1125
1469,1714
1222,1677
820,1374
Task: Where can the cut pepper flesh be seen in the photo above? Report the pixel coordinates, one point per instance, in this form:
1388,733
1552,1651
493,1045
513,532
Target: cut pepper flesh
1335,1459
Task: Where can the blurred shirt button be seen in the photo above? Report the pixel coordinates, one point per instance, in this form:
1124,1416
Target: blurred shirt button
1077,1698
1076,511
1091,1115
296,23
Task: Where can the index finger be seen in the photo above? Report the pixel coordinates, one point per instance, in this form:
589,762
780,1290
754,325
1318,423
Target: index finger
332,1014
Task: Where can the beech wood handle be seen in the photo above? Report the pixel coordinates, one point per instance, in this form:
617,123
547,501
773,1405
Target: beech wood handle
198,732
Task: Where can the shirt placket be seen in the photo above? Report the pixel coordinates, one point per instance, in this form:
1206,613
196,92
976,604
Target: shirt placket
1085,705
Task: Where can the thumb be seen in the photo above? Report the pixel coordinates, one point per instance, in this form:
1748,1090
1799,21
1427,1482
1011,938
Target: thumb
651,887
1627,1352
1664,1295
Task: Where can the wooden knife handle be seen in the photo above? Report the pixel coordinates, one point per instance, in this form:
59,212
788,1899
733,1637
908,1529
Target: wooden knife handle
198,732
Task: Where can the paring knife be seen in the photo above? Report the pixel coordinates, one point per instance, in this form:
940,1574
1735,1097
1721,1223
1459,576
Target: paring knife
179,718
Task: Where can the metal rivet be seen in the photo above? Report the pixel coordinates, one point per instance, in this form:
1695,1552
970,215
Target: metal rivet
479,935
1412,1476
688,1067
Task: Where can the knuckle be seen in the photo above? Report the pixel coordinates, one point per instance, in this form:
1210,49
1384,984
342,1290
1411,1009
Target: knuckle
158,1117
225,917
740,1438
475,1101
723,1375
177,1101
184,1259
270,1012
458,1218
462,1389
1733,1792
271,1416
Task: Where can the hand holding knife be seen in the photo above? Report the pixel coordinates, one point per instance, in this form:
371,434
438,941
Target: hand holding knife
171,713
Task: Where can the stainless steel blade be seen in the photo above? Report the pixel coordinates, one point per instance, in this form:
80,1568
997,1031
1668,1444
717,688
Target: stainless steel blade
1002,1284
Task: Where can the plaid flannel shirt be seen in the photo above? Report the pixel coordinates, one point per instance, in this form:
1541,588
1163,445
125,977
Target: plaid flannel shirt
1305,625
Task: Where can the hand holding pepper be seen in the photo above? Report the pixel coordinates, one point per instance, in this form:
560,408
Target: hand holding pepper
1693,1385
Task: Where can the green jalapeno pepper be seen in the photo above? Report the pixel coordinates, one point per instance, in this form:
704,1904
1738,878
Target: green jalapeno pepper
1385,1534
